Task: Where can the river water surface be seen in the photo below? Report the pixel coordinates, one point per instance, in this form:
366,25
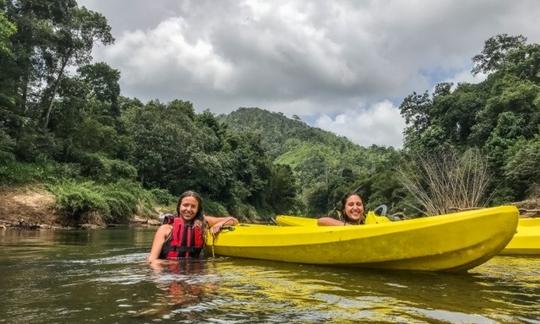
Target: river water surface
100,276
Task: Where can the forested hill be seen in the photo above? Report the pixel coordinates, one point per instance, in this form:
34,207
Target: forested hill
279,132
324,164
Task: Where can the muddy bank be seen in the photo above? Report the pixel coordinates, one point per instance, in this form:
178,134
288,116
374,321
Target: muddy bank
28,207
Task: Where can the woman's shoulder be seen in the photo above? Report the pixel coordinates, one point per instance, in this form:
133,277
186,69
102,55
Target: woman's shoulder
165,229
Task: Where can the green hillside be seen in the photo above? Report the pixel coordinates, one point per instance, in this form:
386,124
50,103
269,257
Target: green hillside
324,164
279,133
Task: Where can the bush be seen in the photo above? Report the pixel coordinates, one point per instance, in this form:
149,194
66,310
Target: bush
522,168
6,147
46,171
121,170
442,182
122,204
162,196
115,202
75,199
99,167
20,173
214,208
245,212
32,147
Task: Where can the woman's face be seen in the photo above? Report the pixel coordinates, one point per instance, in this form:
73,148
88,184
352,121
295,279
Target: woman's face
354,208
188,208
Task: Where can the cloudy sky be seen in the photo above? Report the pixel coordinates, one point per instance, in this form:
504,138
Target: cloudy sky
343,66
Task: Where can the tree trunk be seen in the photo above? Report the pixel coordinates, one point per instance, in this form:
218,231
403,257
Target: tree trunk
24,96
25,80
55,89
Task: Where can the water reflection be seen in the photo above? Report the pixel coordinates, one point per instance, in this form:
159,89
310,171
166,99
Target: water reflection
102,276
305,293
182,284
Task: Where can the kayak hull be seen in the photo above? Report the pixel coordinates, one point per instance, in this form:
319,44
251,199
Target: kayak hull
527,239
453,242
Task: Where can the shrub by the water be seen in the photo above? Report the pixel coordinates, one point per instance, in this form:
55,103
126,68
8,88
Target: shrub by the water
75,199
47,171
163,197
214,208
115,202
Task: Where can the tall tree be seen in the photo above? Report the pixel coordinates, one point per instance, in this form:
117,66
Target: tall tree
72,43
51,35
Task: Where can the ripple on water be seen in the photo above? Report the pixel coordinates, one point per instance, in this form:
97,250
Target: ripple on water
116,259
107,282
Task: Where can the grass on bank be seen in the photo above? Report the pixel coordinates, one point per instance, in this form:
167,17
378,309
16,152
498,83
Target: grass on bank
82,199
113,202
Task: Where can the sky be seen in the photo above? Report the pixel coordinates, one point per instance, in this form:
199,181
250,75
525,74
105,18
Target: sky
343,66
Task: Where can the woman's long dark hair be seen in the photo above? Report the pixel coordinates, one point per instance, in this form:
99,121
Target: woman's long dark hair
200,214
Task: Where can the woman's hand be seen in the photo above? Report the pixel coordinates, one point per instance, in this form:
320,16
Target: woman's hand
216,228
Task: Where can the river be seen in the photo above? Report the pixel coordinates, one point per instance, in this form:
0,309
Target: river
99,276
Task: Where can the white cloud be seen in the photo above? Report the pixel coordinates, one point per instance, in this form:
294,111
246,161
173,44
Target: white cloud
164,56
380,124
309,58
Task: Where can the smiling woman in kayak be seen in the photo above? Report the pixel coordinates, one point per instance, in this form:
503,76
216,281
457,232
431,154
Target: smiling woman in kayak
352,209
182,236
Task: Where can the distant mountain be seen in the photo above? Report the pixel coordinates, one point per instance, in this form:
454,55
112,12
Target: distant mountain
280,134
321,160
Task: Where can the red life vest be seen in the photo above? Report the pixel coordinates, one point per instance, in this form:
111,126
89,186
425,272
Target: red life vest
186,240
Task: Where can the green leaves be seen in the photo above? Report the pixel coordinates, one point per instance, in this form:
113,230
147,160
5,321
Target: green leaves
496,51
7,28
113,202
522,167
497,115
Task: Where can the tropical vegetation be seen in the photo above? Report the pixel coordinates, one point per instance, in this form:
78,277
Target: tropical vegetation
64,123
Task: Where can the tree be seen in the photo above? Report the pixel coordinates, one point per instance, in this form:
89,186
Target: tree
497,115
103,82
7,29
495,52
7,143
72,42
283,190
415,108
163,144
523,167
35,21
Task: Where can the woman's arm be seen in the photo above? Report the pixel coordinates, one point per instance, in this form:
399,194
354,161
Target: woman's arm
159,239
329,221
216,223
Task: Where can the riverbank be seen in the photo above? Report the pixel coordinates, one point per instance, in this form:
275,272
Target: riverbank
33,207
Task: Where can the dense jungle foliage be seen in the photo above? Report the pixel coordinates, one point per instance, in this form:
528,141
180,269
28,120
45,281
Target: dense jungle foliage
65,123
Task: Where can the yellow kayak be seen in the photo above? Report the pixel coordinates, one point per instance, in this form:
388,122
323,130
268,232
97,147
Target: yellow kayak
454,242
527,239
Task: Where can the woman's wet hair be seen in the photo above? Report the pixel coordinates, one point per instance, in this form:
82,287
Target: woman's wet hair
344,203
200,214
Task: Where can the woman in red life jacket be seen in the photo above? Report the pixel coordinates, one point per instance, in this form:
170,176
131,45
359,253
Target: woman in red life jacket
352,209
182,236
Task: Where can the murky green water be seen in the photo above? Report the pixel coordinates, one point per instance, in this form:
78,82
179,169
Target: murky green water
100,276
